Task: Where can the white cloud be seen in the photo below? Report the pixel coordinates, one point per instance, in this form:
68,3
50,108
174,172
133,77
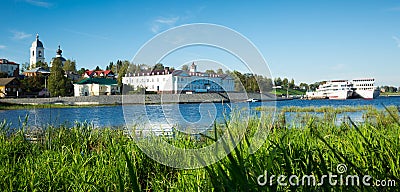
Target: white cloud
155,28
163,22
167,21
3,47
20,35
397,40
39,3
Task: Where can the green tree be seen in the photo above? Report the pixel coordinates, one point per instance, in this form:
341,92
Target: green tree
251,84
58,84
285,82
122,71
304,86
315,85
81,71
133,68
391,89
110,66
158,66
41,64
261,83
3,75
220,71
143,67
70,65
278,81
269,84
97,68
239,81
118,66
265,84
210,71
33,84
291,84
185,67
25,67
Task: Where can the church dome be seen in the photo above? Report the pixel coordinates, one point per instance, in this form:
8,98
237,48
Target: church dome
62,59
37,42
59,55
59,51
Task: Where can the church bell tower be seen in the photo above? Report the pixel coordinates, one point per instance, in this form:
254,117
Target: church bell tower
36,52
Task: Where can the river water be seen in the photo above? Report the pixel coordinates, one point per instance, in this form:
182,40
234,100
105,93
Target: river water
191,114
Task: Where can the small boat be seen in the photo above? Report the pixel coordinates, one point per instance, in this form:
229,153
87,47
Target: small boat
252,100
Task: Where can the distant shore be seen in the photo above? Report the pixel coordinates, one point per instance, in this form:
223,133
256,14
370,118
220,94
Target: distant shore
87,101
391,94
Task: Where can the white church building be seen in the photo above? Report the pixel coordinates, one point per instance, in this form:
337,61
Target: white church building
179,81
37,52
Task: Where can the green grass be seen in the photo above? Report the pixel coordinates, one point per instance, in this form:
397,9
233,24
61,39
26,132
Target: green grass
11,106
83,158
326,109
291,92
390,93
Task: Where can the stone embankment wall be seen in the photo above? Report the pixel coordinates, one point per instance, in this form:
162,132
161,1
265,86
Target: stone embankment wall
141,99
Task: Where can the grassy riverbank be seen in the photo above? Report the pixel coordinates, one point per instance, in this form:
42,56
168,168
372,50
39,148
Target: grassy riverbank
83,158
12,106
390,94
290,91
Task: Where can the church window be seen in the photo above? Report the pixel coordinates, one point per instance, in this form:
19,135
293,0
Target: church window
40,53
33,53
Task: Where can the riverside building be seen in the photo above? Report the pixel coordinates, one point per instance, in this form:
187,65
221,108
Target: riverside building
9,68
179,81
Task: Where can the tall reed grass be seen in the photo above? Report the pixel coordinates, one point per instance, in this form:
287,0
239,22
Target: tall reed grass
84,158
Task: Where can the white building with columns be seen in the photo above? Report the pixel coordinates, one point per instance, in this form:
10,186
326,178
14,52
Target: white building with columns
179,81
36,52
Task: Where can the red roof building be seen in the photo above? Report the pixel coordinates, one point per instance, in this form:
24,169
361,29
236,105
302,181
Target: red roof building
103,73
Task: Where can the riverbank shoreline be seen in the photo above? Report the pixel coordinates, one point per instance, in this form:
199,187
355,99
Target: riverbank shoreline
138,99
390,95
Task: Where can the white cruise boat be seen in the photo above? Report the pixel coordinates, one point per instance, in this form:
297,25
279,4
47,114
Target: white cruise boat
365,88
336,89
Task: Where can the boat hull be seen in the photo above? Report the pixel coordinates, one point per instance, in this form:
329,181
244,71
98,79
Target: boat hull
341,95
367,94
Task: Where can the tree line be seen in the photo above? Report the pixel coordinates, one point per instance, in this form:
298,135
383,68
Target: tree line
243,82
60,85
57,83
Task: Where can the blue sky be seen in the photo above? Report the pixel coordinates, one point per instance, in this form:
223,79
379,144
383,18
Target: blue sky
307,40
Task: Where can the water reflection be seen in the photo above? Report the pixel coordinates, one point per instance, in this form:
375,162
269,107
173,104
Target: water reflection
300,119
190,115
